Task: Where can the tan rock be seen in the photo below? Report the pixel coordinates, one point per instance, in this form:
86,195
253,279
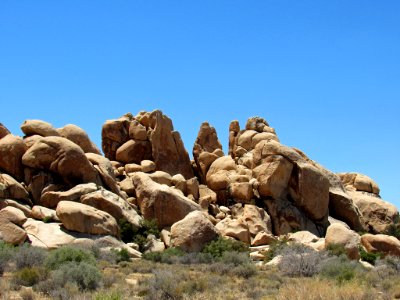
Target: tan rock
273,176
106,172
309,189
11,219
193,232
244,139
359,182
241,191
41,213
147,166
234,228
256,123
3,131
12,148
127,186
378,214
168,150
10,188
219,173
78,136
86,219
160,202
338,234
32,127
161,177
133,151
137,131
303,237
26,209
63,157
389,245
30,140
154,245
51,199
165,236
179,182
204,191
256,218
113,134
263,238
113,204
130,168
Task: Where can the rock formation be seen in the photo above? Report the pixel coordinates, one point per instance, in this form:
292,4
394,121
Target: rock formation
261,190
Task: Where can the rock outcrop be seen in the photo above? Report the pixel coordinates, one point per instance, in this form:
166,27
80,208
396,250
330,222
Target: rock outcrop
56,188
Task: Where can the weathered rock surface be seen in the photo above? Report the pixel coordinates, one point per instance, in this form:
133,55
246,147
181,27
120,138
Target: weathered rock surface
41,213
3,131
337,234
10,188
78,136
86,219
63,157
12,148
388,245
193,232
113,204
38,127
235,228
11,220
160,202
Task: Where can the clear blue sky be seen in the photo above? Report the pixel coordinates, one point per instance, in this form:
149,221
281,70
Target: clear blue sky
325,74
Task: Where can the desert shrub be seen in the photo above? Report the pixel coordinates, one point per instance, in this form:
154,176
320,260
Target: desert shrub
47,219
27,294
28,257
29,276
121,255
167,284
336,249
274,249
394,230
112,295
129,233
369,256
235,258
6,252
166,256
218,247
193,258
300,260
81,274
340,268
244,270
63,255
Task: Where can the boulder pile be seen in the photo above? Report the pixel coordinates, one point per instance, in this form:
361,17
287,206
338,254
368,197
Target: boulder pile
56,188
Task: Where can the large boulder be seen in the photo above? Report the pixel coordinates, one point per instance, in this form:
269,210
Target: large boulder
169,153
204,146
3,131
38,127
11,220
389,245
235,228
63,157
12,148
113,134
133,151
113,204
219,173
106,172
160,202
52,198
337,234
377,213
86,219
43,213
193,232
79,137
359,182
10,188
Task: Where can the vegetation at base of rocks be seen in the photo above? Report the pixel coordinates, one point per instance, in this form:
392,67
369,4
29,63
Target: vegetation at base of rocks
336,249
369,256
221,245
303,273
274,249
121,255
47,219
131,234
27,256
63,255
394,230
6,252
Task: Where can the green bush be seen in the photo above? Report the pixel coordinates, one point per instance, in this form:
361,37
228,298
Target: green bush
28,257
113,295
369,256
274,249
121,255
63,255
85,276
129,233
340,268
336,249
166,256
6,252
218,247
29,276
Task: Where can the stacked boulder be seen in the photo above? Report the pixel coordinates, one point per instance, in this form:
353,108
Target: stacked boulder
57,188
